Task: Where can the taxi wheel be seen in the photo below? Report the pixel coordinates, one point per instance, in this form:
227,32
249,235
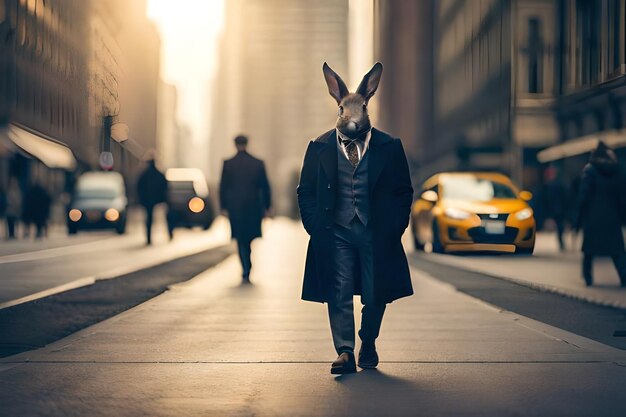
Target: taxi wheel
437,246
525,251
120,228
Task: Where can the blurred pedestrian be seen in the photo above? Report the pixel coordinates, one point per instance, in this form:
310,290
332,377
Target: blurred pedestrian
245,197
600,210
355,198
152,190
13,210
3,202
36,211
555,202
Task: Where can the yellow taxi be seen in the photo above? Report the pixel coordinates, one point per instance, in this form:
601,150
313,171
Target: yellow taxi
473,212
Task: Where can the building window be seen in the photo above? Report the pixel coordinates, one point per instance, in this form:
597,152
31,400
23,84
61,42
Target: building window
535,56
588,30
615,16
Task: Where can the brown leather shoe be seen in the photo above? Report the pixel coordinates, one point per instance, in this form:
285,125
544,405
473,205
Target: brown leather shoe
368,357
344,364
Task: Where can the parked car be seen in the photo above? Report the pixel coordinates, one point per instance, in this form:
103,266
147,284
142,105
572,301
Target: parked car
188,199
473,211
99,202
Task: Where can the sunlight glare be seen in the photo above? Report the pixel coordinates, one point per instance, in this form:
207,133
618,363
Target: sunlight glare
189,34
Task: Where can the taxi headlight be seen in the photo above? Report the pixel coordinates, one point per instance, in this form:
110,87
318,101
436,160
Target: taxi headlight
196,205
112,215
457,214
75,215
524,214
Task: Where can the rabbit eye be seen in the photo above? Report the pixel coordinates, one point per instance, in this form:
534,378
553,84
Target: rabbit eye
365,107
340,110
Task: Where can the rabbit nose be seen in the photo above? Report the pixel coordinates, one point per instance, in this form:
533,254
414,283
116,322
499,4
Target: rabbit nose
352,126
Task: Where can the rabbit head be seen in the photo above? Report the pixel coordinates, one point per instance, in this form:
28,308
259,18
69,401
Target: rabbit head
353,119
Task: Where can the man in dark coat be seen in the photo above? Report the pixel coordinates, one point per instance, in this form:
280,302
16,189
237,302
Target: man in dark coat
245,197
600,209
355,198
152,190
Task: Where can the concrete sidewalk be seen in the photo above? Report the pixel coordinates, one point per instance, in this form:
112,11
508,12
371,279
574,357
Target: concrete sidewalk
547,270
213,347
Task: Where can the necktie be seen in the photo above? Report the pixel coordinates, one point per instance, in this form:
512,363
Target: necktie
352,150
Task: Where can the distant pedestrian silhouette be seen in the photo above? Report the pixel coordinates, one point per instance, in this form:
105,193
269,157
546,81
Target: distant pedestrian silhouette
36,209
555,202
600,211
245,197
13,207
152,190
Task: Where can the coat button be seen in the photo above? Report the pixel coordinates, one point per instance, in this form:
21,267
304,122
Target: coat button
326,209
329,186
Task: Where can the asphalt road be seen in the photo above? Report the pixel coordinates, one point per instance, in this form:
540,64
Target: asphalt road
39,267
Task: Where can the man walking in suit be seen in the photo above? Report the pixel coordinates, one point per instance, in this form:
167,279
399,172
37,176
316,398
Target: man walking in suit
355,198
245,197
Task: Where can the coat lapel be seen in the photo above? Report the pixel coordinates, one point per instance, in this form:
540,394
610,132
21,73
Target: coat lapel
328,157
378,154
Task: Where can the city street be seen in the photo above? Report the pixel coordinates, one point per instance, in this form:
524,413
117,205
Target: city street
31,269
459,164
210,346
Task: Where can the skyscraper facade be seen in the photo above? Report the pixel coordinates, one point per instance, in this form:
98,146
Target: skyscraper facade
270,84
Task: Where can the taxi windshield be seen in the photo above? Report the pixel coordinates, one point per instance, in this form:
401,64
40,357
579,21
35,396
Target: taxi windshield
473,188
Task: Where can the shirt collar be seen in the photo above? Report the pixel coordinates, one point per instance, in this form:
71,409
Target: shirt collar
366,142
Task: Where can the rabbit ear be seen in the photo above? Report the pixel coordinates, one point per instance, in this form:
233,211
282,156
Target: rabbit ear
336,87
368,86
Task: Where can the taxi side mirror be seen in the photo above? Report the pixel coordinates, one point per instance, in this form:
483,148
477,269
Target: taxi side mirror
526,195
430,196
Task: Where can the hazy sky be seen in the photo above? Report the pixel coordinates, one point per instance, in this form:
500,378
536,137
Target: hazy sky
189,35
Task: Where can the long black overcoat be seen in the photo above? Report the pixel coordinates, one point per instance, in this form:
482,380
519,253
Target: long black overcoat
601,206
245,194
391,195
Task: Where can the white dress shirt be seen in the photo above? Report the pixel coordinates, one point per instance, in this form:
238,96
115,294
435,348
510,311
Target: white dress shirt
360,152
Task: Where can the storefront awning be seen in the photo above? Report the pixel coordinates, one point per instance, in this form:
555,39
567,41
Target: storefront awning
584,144
52,154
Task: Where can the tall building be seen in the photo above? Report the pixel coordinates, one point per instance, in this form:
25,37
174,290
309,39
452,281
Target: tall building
270,84
104,56
591,66
403,42
489,89
169,130
43,88
139,81
69,71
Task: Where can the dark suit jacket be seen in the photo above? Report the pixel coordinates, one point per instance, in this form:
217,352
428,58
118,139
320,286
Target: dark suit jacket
391,196
245,194
601,207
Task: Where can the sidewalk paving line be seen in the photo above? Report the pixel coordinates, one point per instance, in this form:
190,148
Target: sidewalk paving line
54,252
81,282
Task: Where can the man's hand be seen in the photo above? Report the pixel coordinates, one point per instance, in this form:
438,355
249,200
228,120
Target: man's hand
269,213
